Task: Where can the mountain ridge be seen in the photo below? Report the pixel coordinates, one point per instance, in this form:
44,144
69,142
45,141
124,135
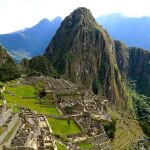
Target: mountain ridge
30,41
134,31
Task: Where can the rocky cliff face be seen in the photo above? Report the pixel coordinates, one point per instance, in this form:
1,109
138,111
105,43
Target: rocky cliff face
134,64
83,52
139,69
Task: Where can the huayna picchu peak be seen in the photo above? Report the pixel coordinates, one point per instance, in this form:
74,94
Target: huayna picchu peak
83,52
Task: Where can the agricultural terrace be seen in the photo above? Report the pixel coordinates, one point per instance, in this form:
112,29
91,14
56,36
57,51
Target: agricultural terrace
26,95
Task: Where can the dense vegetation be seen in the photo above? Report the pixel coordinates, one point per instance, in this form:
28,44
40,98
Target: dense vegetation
110,128
9,71
141,106
37,66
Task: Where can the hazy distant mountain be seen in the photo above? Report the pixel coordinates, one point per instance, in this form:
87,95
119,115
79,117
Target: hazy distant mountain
132,31
30,41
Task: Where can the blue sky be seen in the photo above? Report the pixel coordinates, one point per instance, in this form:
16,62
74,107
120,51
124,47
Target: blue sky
18,14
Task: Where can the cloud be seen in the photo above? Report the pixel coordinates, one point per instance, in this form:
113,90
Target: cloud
17,14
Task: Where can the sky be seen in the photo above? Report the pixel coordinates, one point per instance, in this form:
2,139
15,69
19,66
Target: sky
18,14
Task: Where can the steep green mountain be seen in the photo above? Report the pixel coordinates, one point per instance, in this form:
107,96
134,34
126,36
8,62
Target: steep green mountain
83,52
134,65
8,69
31,41
134,31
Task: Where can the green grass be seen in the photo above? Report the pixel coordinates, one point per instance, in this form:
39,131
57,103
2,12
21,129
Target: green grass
60,146
127,129
32,103
85,145
22,90
62,128
69,94
15,109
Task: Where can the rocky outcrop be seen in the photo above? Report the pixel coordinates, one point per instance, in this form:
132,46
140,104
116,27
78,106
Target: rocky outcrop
134,64
139,70
8,69
122,57
83,52
4,56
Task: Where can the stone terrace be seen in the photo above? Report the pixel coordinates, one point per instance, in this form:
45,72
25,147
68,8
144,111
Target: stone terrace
34,133
9,122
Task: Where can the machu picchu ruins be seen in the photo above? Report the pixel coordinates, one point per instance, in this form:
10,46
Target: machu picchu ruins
24,128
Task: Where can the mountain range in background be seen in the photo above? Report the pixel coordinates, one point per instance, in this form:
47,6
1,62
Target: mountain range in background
30,41
33,41
132,31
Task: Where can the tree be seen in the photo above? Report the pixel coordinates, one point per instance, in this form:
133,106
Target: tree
42,94
69,110
9,71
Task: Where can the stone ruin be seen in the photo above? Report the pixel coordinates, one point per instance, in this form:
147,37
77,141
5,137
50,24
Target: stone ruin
33,133
89,109
69,101
89,125
8,120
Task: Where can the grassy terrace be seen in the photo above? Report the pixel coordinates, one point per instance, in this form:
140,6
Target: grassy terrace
19,95
85,145
60,146
24,95
62,128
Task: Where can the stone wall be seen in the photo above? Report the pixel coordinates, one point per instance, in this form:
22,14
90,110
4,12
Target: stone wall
4,117
10,125
14,133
